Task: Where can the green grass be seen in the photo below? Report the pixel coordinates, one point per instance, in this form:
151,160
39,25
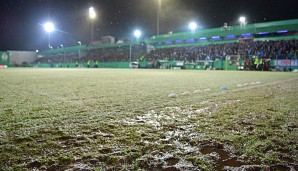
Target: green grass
112,119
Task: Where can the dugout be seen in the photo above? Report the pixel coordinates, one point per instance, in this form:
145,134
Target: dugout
233,62
165,64
22,58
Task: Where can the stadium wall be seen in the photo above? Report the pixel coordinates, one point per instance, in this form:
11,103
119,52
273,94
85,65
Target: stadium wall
18,58
279,65
143,64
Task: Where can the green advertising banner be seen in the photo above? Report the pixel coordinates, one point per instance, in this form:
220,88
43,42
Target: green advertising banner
4,59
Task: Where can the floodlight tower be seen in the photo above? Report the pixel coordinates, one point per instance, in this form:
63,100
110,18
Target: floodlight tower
158,16
192,26
92,15
49,27
137,34
242,22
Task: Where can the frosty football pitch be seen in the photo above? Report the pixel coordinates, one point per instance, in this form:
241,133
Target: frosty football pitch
121,119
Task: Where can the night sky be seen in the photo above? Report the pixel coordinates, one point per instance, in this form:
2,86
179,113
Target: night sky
21,20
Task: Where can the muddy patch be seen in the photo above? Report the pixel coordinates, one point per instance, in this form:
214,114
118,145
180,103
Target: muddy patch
225,160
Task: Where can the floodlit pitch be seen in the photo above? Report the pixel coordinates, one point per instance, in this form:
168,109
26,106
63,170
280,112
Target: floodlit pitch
112,119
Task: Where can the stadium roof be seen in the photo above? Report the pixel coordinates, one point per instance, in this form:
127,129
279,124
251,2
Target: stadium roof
270,27
256,28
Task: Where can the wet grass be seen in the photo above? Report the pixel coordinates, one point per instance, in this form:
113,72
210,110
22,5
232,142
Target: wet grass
108,119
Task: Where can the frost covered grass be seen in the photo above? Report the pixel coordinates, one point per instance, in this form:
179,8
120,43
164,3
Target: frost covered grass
112,119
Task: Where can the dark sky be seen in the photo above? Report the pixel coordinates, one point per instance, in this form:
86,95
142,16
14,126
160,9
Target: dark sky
21,20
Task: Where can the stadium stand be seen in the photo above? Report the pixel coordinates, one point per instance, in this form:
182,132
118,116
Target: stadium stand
279,49
269,49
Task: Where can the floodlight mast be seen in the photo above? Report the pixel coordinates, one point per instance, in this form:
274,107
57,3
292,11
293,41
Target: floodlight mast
92,16
158,16
193,26
49,27
242,21
137,34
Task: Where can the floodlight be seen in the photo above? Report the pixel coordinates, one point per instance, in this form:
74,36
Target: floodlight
242,19
137,33
92,13
192,26
79,42
49,27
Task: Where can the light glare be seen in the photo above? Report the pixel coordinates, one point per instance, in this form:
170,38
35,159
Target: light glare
193,26
49,27
137,33
92,13
242,19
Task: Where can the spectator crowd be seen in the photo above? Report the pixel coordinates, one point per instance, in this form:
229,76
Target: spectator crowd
263,50
268,49
111,54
